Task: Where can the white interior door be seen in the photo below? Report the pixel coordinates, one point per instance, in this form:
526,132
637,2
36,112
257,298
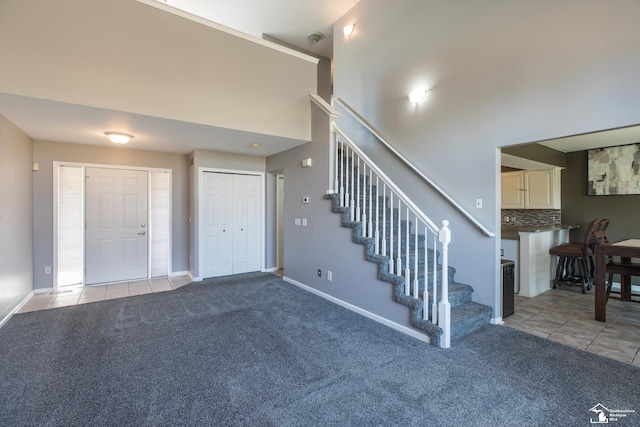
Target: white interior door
230,226
246,224
217,193
116,237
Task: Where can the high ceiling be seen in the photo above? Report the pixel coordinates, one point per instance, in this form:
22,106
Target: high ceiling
175,84
288,20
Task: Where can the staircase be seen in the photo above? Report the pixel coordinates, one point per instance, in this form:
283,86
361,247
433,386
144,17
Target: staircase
390,229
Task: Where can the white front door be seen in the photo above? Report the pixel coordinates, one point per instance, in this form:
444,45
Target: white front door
230,226
116,242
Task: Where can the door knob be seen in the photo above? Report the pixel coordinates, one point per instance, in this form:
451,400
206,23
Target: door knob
142,233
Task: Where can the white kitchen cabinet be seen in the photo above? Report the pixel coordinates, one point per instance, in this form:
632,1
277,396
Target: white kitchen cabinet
538,189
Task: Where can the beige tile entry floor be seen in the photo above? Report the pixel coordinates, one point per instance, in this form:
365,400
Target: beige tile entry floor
72,295
566,315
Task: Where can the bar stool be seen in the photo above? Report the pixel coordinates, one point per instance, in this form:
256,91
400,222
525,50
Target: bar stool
571,253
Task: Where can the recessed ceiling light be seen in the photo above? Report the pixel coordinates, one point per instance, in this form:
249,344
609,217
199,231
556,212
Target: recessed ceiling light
119,137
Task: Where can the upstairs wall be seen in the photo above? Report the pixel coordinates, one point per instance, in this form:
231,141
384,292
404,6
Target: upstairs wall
124,55
500,73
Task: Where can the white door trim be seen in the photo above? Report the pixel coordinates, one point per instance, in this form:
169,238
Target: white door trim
201,171
56,168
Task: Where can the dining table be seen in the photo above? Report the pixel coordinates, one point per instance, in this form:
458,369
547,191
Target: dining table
606,265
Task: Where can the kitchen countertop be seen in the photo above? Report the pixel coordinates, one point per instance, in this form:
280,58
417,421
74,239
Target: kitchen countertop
512,231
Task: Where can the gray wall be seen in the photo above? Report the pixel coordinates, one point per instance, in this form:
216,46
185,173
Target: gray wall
46,153
16,216
500,73
324,244
216,160
580,208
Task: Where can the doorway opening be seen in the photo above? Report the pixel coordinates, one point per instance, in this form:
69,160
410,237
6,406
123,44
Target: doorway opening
72,217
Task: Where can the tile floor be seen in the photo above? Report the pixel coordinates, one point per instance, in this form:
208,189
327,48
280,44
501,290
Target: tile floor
72,295
566,315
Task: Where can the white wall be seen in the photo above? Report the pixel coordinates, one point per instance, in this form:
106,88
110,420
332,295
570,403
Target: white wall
16,216
500,72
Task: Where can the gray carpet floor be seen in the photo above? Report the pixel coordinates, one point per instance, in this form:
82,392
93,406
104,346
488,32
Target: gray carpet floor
253,350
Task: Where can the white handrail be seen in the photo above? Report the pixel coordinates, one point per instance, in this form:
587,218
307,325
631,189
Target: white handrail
388,181
435,186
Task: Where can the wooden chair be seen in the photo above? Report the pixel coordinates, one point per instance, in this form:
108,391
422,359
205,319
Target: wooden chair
580,253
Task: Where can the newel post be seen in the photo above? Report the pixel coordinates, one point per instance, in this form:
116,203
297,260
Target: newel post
444,308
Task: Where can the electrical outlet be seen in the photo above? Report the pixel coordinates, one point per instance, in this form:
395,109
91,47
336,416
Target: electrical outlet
329,276
319,273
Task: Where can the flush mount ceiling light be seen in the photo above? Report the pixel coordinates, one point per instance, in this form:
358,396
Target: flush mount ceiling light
417,96
255,145
118,137
315,37
348,29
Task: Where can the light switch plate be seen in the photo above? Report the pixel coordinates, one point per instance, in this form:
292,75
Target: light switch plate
296,221
304,222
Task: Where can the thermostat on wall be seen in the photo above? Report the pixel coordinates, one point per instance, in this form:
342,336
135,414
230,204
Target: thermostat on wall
305,199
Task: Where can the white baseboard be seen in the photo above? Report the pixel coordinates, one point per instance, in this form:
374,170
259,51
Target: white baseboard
496,321
270,270
43,290
179,273
16,308
408,331
193,278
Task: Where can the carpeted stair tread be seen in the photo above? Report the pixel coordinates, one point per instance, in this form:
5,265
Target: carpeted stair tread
466,315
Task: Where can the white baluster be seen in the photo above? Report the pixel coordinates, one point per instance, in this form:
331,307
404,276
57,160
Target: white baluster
351,202
336,172
399,259
364,201
346,173
341,172
444,317
415,261
425,295
357,214
434,304
377,232
384,220
407,270
391,266
370,223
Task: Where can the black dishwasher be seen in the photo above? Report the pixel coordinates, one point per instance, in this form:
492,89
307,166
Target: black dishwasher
507,288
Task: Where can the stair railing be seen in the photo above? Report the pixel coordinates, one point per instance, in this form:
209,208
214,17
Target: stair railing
406,161
388,224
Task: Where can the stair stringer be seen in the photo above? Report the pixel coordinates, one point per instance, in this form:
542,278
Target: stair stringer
466,314
415,305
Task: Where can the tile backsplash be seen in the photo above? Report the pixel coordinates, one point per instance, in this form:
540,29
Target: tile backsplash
531,217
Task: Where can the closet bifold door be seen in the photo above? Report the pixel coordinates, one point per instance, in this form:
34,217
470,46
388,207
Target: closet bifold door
231,224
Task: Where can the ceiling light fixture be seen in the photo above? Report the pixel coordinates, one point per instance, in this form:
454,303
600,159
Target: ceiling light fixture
315,37
119,137
417,96
255,145
348,29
